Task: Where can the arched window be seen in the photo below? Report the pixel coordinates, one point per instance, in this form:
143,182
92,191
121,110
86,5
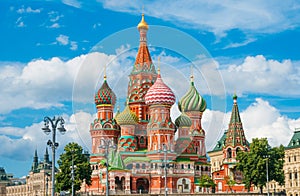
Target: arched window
229,153
142,140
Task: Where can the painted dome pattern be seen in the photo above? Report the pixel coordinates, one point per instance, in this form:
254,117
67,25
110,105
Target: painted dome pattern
192,101
127,117
160,93
183,121
105,95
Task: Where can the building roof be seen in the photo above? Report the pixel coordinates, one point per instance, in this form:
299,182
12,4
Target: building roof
235,134
295,141
105,95
220,143
192,100
127,117
160,93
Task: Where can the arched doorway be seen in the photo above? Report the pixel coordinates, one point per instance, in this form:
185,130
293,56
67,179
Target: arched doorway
120,184
142,185
184,185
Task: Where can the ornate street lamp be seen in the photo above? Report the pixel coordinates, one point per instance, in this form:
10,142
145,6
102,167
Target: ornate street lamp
106,144
166,166
72,174
52,143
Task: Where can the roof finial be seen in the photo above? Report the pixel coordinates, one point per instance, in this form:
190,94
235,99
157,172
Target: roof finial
158,65
104,72
192,75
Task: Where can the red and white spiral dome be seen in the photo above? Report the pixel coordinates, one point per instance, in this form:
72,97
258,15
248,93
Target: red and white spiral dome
159,93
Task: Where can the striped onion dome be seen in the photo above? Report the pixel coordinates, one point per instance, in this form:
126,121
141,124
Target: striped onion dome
192,100
105,95
183,121
127,117
159,93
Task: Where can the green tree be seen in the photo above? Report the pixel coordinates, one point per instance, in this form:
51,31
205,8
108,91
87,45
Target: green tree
253,164
230,182
206,182
82,172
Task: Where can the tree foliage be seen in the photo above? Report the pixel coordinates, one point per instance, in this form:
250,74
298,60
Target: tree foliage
82,172
206,181
253,164
230,182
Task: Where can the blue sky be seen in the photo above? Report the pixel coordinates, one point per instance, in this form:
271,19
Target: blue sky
53,53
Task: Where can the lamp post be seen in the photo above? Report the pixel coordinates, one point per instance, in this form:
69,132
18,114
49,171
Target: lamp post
52,143
106,144
166,166
267,168
72,175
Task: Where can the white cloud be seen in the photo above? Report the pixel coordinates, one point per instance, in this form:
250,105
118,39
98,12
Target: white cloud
19,143
20,22
54,26
257,74
218,16
73,3
74,45
28,10
63,39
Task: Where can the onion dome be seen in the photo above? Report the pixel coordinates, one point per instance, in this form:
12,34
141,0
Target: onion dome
105,95
183,121
127,117
159,93
143,24
192,100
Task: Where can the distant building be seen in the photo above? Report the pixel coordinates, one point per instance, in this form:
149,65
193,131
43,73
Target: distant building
292,165
223,156
37,183
4,181
145,134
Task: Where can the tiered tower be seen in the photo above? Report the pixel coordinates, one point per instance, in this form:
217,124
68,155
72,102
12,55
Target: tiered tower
193,105
223,156
104,126
142,76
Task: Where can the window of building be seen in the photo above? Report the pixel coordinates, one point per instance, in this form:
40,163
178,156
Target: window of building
137,166
296,176
289,159
189,166
290,176
182,166
229,153
295,158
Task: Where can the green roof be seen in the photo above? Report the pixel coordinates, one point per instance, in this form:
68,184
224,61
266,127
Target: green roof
117,162
135,159
221,142
295,141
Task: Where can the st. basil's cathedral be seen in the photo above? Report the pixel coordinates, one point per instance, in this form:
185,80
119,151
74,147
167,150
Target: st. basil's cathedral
144,134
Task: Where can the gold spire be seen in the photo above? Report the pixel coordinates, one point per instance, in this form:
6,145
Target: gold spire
158,65
104,72
143,24
192,74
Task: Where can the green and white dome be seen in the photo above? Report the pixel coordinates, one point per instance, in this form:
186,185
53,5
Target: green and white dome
183,121
192,100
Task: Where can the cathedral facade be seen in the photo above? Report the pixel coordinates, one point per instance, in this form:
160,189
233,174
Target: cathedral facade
148,157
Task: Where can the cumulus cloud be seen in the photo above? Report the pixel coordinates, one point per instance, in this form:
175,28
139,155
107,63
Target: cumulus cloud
20,143
63,39
256,74
28,10
219,16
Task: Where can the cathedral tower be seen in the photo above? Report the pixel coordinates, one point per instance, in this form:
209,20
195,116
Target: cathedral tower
142,76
